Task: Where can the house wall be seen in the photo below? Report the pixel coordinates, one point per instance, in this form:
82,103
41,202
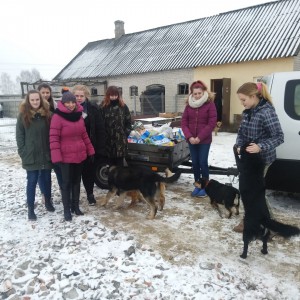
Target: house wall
241,73
170,79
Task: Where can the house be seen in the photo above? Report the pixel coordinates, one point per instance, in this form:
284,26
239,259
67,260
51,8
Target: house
154,68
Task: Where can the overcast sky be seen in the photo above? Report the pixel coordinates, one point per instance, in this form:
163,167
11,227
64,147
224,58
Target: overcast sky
47,35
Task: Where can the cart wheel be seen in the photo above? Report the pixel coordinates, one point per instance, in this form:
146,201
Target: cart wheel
102,175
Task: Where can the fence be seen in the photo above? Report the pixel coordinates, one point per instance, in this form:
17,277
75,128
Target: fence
7,133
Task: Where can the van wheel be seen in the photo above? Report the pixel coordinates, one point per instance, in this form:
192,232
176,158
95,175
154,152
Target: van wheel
101,177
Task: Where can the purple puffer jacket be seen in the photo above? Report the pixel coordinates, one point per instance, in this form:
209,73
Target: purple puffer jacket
199,122
69,142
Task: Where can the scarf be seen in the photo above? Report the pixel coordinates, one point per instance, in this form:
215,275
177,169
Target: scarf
198,103
72,116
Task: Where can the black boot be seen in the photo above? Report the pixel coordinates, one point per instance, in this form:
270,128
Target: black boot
75,200
31,214
66,202
49,206
91,200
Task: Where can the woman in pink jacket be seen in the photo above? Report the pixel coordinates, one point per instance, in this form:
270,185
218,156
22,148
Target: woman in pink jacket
70,146
198,122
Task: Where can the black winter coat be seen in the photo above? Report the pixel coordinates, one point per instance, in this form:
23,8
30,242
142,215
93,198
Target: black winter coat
94,124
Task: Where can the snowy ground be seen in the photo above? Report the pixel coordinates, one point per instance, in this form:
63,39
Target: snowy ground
186,252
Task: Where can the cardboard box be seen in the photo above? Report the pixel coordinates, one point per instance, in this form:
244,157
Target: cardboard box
168,115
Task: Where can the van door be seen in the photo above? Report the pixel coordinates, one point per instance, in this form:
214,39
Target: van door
284,173
285,91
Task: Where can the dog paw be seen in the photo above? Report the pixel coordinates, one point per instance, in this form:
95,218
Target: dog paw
244,256
103,203
264,251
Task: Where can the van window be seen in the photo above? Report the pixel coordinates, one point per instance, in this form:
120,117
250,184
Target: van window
292,99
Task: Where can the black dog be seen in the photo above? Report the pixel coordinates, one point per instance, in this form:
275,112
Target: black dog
148,182
257,221
220,193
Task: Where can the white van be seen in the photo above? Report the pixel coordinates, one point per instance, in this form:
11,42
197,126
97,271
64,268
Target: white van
284,173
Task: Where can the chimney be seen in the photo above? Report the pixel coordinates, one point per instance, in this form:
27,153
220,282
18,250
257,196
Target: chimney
119,29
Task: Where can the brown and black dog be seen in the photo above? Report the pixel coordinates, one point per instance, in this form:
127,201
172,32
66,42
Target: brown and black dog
136,195
137,178
220,193
257,220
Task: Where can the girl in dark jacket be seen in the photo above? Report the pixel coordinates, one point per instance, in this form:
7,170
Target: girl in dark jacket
32,135
198,122
46,92
117,123
70,146
94,125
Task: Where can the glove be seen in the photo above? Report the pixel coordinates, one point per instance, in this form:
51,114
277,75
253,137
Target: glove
91,159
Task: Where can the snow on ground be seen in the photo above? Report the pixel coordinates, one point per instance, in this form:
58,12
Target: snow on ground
186,252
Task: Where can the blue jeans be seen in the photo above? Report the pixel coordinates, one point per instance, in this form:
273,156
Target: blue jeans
57,171
32,179
199,156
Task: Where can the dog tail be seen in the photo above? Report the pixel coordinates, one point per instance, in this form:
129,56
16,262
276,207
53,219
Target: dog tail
284,230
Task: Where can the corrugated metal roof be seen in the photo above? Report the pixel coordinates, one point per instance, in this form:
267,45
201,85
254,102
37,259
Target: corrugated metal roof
270,30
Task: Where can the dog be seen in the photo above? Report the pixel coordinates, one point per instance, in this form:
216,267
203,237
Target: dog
220,193
257,221
136,195
217,127
141,178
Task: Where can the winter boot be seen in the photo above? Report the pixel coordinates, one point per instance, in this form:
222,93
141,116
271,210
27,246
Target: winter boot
49,205
91,200
31,214
66,202
75,200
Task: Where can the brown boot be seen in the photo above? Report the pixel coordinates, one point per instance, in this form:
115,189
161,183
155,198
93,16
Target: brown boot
240,227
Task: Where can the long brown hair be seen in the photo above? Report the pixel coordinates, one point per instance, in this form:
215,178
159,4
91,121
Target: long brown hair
26,109
51,100
112,91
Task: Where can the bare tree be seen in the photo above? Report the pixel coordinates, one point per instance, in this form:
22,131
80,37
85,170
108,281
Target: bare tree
7,86
29,77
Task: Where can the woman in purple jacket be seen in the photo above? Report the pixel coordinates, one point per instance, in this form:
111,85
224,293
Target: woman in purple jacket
70,146
198,122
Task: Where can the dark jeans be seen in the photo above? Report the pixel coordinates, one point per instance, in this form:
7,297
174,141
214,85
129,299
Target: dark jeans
199,156
57,171
32,179
88,176
71,177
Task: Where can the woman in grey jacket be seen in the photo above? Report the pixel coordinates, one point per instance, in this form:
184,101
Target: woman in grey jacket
32,135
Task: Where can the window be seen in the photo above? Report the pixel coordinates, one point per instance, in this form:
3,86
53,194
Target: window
133,91
94,91
183,89
292,99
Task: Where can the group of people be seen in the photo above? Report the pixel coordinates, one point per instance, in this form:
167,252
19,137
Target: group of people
66,137
260,127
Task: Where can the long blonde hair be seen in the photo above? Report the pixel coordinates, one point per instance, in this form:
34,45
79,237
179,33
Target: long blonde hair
260,89
83,88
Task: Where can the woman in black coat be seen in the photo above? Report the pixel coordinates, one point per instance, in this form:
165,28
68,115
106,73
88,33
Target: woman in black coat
94,124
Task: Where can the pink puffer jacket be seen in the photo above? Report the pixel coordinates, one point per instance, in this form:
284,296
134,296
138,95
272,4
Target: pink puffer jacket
69,141
199,122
